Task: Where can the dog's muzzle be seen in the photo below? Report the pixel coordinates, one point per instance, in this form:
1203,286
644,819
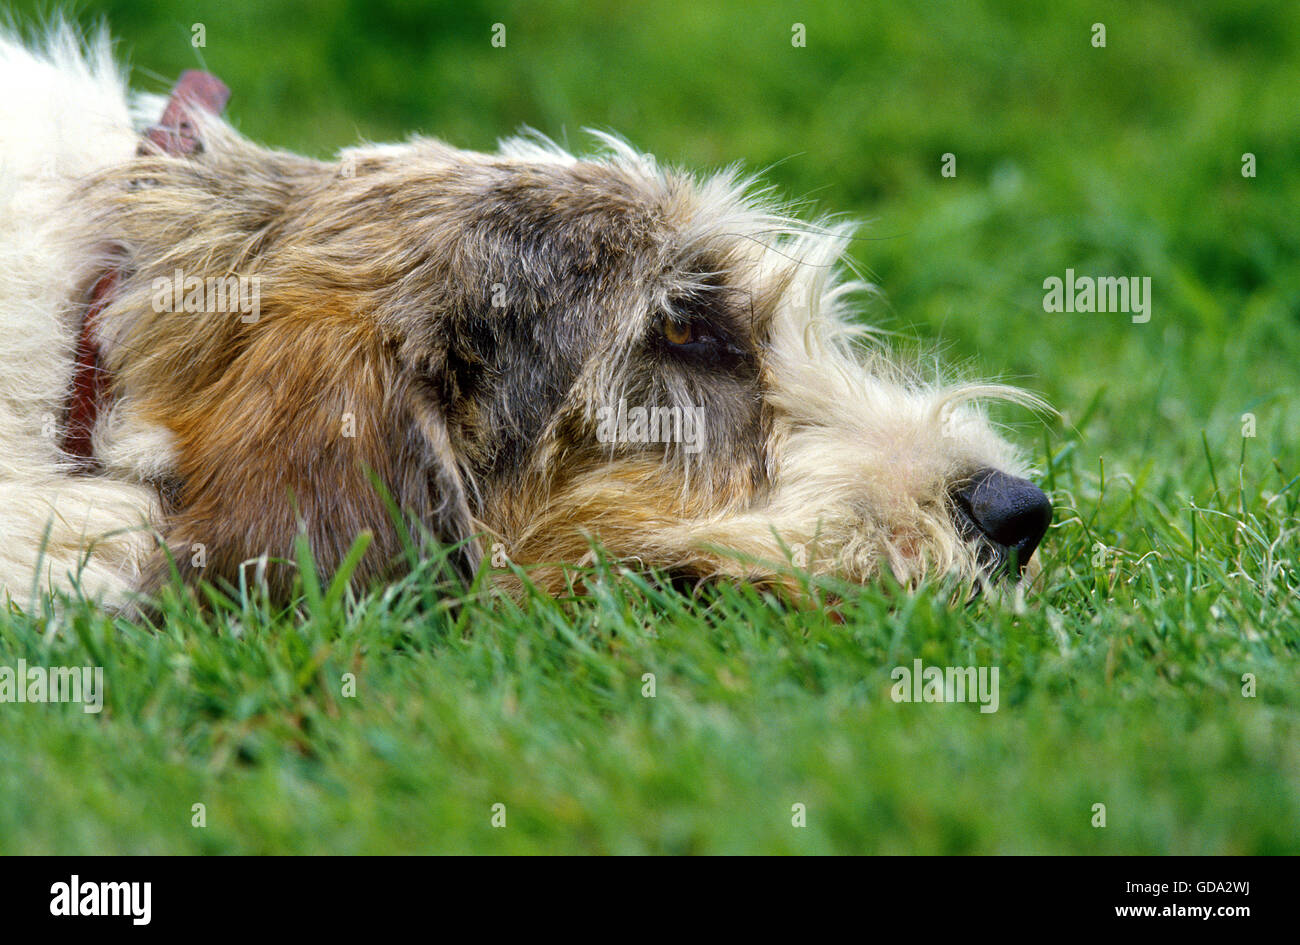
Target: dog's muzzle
1008,515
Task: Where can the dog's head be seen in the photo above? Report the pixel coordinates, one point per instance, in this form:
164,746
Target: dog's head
529,351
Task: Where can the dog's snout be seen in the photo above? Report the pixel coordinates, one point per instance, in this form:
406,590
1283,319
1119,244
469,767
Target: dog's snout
1009,511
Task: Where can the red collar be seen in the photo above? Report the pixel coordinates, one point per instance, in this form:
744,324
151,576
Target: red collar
175,135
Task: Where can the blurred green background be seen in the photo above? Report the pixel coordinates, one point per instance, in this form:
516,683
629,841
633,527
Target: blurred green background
1121,678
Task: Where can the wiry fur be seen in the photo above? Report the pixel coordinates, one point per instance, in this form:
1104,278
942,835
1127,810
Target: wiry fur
466,316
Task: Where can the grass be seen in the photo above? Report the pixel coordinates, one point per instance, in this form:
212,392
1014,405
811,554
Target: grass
1169,573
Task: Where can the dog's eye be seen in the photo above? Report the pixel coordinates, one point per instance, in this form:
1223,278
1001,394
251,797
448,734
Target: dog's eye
698,341
678,333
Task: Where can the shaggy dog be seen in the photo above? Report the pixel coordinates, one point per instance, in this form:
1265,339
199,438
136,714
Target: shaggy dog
208,349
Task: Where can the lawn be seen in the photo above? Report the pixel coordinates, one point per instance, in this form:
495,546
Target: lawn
1152,669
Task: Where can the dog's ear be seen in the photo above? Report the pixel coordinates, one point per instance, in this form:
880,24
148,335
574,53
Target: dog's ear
289,437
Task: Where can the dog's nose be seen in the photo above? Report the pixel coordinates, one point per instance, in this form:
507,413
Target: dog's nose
1011,512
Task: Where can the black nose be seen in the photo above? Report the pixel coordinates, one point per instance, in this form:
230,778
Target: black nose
1010,512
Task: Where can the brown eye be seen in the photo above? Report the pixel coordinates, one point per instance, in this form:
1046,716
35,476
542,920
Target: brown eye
678,334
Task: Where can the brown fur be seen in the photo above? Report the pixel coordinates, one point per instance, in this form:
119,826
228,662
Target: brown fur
283,443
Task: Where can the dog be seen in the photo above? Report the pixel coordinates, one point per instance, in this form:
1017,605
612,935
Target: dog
210,350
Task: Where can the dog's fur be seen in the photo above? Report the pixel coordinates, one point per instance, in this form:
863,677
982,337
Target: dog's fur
453,324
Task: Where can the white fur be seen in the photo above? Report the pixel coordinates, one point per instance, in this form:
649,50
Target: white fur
64,113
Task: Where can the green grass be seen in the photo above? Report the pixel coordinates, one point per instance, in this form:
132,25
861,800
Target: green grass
1169,572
